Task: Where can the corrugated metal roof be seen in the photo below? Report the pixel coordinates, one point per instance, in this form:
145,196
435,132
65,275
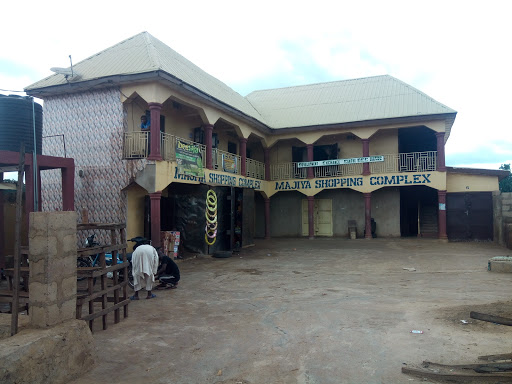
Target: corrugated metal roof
370,98
144,53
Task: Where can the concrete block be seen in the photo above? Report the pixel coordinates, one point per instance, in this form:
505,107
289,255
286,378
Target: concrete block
69,243
42,292
68,289
56,355
37,270
68,309
500,264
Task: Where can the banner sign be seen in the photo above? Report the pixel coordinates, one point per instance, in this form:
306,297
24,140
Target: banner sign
229,164
188,158
354,160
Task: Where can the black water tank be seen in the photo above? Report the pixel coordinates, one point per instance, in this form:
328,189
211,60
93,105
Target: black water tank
16,124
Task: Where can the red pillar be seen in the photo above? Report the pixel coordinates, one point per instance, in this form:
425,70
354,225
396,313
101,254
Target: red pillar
366,153
266,153
154,153
155,218
68,188
441,217
441,167
208,133
267,218
311,216
243,155
311,173
368,215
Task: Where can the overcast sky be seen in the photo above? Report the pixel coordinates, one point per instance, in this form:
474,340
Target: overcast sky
457,52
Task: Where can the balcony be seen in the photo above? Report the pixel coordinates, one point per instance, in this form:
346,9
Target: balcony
393,163
136,147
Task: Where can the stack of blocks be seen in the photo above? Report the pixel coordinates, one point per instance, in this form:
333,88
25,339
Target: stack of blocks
53,253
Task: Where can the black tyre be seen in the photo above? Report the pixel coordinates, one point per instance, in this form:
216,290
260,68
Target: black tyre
222,254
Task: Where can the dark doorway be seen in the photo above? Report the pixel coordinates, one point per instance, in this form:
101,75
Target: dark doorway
469,216
417,139
418,211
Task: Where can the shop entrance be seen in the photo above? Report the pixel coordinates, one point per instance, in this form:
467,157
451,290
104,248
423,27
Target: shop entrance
469,216
418,211
322,215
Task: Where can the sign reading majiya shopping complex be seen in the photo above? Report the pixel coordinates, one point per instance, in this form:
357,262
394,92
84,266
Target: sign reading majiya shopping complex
187,171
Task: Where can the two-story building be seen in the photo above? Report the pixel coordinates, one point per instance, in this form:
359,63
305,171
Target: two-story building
310,160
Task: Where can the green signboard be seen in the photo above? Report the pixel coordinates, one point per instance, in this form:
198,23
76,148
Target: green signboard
188,158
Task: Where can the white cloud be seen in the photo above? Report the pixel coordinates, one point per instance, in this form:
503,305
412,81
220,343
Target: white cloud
455,51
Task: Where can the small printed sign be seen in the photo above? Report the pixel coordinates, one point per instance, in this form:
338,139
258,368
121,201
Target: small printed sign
354,160
188,159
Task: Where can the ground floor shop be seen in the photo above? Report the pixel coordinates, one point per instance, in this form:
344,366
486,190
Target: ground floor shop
415,205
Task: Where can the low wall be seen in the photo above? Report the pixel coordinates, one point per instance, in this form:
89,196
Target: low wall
502,205
55,355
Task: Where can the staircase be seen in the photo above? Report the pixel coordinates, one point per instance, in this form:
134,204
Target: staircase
428,221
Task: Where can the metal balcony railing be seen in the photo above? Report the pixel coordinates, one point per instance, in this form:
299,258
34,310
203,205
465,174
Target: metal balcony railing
406,162
135,145
393,163
255,169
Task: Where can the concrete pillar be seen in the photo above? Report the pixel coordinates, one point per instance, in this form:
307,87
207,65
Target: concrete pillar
441,167
441,217
366,153
266,153
311,173
68,188
368,215
311,217
52,248
267,218
155,218
208,133
154,130
243,155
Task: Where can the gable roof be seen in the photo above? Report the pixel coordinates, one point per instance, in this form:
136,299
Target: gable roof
141,54
338,102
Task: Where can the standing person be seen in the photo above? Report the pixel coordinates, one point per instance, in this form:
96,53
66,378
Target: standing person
145,124
144,267
168,273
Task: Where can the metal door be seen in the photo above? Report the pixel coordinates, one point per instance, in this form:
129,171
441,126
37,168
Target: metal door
469,216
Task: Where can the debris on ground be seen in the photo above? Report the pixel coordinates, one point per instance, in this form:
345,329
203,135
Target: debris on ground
463,373
490,318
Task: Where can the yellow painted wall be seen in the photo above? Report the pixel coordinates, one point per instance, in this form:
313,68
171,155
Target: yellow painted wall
134,110
458,182
135,213
384,142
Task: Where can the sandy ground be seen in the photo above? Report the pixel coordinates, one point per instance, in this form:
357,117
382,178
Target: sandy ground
312,311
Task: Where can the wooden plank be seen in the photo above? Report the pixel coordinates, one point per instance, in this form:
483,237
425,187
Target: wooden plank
105,311
490,318
94,250
109,269
17,243
459,377
125,270
503,356
84,299
100,226
104,301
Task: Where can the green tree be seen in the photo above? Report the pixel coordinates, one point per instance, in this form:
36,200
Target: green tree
506,183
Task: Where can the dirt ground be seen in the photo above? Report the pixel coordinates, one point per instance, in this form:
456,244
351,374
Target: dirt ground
312,311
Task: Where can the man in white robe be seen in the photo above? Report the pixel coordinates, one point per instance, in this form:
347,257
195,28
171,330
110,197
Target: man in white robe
144,267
